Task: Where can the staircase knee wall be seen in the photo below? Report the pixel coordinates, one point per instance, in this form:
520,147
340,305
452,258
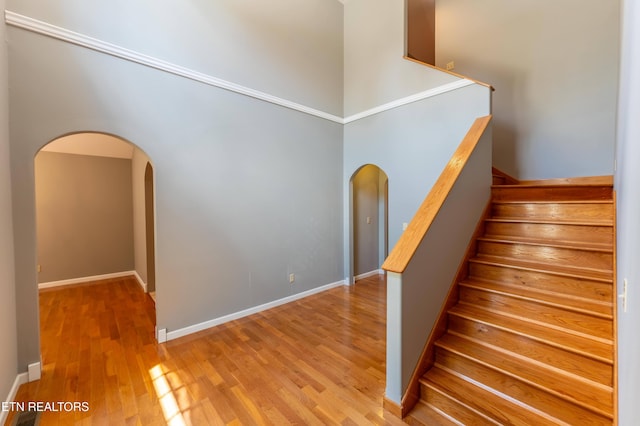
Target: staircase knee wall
417,294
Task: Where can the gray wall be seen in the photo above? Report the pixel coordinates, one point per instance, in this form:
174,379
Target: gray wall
628,226
246,192
9,352
84,215
374,70
554,65
411,144
287,48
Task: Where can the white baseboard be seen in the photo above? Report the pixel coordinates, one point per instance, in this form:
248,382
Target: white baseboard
171,335
370,274
35,371
83,280
139,279
21,379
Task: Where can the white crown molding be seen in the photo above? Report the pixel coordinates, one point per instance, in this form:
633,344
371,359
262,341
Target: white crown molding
63,34
458,84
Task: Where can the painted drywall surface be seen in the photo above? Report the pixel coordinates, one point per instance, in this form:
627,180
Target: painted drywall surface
628,225
138,166
374,69
554,66
428,277
411,144
247,192
288,48
84,215
9,353
366,229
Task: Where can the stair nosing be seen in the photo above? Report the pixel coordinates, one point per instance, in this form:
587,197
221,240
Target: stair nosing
470,284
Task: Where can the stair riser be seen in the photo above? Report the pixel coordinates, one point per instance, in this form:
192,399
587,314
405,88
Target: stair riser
573,363
552,255
597,290
582,324
552,193
554,232
530,395
550,211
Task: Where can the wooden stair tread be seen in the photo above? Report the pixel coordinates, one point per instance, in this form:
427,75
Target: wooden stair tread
574,303
551,192
542,242
427,415
551,202
592,369
566,270
490,406
588,347
562,410
509,219
572,286
557,318
576,389
561,232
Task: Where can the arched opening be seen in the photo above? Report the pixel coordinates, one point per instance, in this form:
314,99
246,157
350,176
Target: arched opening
369,237
94,213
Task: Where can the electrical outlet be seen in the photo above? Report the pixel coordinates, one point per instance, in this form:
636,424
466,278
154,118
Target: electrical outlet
292,278
39,268
451,65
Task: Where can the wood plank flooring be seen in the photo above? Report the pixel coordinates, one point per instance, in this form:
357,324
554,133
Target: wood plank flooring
317,361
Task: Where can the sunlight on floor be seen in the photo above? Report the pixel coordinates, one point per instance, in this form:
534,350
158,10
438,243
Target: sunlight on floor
168,402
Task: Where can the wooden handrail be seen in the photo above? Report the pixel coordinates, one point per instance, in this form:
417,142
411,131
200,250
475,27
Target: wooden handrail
409,241
417,61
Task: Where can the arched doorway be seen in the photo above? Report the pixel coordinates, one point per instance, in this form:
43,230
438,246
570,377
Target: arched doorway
369,187
94,211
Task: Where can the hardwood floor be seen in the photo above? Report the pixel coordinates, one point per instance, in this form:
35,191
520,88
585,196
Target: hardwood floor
320,360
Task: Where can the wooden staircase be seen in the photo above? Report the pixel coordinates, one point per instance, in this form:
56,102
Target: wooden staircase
530,341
